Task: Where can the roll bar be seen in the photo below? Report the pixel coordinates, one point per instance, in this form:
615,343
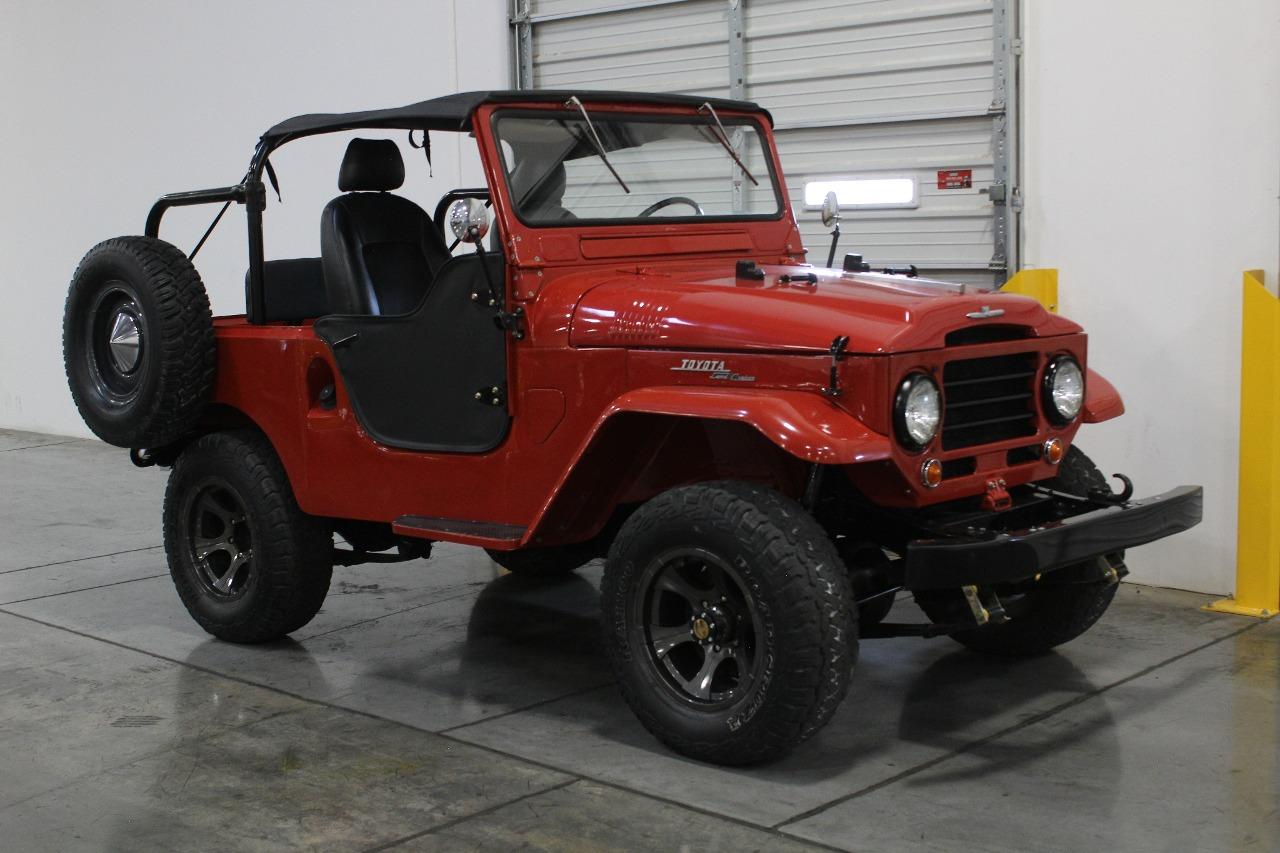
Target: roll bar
253,195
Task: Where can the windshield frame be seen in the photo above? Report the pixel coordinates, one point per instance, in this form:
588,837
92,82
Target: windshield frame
601,112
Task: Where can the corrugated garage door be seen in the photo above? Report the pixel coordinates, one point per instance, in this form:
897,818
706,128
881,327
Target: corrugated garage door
860,91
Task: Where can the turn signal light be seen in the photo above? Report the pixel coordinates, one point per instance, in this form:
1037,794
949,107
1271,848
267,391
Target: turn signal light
1054,450
931,473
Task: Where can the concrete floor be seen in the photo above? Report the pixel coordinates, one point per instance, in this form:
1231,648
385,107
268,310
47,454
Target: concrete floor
434,706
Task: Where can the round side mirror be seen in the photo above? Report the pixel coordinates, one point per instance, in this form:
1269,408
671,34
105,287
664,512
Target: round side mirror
468,219
830,210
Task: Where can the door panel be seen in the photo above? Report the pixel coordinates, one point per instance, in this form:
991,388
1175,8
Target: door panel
413,379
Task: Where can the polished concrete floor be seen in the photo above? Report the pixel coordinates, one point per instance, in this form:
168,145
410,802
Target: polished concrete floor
435,706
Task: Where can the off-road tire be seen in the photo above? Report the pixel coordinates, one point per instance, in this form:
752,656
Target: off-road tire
292,552
156,400
1047,618
545,562
798,589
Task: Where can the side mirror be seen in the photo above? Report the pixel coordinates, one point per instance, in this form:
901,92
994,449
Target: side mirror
469,220
830,210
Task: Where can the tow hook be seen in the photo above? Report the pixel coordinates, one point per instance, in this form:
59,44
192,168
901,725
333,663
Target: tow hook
990,611
1104,495
997,498
1110,574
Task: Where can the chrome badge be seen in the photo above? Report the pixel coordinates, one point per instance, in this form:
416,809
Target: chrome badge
714,368
986,313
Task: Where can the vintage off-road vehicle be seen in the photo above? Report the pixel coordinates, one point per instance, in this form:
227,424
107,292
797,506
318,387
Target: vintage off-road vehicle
635,364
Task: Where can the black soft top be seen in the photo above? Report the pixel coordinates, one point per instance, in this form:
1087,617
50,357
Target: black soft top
453,112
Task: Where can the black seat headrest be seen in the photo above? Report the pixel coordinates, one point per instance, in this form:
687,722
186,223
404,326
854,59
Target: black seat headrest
371,165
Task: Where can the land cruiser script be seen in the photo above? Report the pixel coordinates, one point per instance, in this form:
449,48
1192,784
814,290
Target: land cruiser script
714,367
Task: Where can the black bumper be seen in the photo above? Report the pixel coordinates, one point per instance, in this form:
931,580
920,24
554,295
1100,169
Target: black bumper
1002,557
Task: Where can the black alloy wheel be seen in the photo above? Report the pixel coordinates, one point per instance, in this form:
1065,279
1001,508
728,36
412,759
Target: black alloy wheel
701,626
219,539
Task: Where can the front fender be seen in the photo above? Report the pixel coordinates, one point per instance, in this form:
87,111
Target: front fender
1101,399
803,424
614,456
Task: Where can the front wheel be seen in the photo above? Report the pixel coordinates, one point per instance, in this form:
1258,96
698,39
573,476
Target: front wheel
248,564
1039,619
728,621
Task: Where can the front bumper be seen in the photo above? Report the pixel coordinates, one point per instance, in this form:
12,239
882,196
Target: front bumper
950,562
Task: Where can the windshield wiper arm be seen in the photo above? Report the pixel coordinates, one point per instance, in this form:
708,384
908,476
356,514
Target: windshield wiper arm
723,139
595,141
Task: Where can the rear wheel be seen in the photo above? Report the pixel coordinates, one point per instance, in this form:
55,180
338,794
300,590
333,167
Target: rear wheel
248,564
728,621
1039,619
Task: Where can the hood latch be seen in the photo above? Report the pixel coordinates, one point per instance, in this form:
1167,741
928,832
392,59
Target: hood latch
837,355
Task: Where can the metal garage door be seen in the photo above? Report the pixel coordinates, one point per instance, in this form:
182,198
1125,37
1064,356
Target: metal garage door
919,92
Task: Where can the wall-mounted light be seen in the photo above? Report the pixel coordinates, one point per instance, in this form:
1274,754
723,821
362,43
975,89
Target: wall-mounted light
854,193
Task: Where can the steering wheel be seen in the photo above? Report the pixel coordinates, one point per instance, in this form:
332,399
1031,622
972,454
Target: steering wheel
667,202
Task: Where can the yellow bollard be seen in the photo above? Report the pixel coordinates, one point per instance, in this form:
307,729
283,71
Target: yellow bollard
1258,517
1040,285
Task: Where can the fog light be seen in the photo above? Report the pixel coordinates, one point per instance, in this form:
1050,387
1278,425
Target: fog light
931,473
1054,451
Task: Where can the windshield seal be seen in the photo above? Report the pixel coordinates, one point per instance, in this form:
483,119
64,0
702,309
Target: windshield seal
597,114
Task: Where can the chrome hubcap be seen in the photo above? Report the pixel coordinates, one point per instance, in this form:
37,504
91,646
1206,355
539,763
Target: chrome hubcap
125,339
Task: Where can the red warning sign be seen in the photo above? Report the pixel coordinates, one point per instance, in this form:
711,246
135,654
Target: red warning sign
955,179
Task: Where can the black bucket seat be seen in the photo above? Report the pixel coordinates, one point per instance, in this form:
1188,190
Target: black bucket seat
379,252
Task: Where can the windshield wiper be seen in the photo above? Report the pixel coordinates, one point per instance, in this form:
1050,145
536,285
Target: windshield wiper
595,141
723,139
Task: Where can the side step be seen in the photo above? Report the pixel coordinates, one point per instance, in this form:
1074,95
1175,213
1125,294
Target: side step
487,534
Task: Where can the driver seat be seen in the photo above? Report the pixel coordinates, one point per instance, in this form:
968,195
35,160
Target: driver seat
378,252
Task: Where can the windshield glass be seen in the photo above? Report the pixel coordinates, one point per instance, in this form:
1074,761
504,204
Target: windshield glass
661,167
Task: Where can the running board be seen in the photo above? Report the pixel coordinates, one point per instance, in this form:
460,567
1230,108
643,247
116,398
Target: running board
486,534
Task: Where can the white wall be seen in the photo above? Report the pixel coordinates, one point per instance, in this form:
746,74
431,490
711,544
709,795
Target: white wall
1151,173
109,105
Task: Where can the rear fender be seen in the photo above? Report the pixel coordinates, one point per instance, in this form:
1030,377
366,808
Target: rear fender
653,439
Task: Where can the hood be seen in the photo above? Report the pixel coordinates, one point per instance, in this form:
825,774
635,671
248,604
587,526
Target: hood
880,313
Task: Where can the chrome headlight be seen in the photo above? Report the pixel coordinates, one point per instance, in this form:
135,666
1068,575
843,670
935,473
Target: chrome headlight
917,410
1063,389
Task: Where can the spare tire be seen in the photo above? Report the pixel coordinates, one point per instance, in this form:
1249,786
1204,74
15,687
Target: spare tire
137,342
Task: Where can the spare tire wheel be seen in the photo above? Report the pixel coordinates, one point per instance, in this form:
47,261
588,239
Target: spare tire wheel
137,342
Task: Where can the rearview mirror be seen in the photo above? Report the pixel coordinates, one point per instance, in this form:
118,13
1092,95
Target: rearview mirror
830,210
469,220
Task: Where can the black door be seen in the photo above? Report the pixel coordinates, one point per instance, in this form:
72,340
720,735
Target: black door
425,380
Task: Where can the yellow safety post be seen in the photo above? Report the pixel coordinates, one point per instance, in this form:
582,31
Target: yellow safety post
1040,285
1258,516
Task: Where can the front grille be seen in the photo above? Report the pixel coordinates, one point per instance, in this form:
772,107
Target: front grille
988,400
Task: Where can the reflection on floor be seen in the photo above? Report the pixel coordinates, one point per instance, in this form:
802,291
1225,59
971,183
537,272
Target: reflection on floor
435,705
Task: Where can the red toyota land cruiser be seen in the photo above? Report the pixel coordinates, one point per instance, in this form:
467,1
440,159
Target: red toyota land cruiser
632,362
